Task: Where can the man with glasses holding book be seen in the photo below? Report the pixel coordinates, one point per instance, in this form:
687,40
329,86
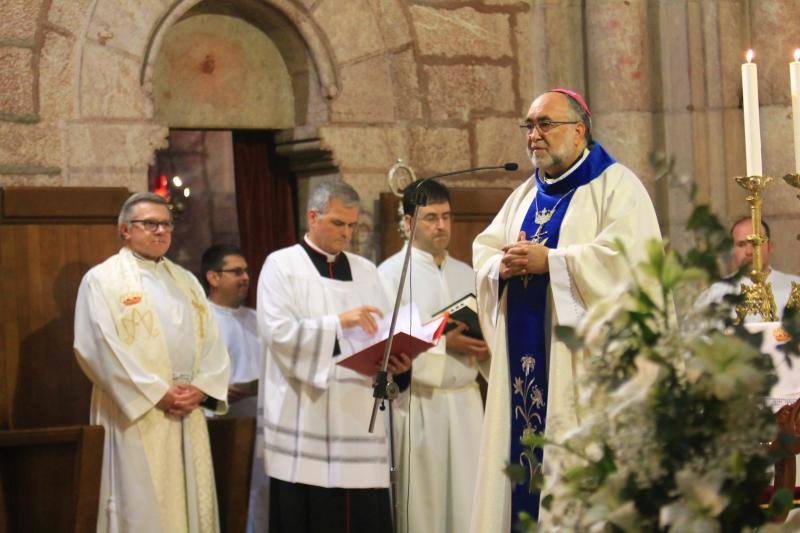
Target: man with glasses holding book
146,338
548,256
439,423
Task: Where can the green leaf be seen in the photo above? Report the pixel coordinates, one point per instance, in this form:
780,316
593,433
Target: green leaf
672,272
569,336
781,502
525,523
535,440
547,501
516,473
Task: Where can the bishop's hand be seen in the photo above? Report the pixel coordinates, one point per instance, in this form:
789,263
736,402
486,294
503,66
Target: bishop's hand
523,257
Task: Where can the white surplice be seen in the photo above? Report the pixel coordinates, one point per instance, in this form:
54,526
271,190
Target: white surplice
781,290
316,413
438,426
239,329
141,326
584,269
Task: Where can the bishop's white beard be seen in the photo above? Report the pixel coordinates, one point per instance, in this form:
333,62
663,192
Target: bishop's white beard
547,161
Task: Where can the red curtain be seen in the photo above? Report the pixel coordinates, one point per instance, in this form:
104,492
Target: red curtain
265,199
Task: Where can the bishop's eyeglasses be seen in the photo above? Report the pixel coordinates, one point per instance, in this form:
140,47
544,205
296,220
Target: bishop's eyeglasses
544,125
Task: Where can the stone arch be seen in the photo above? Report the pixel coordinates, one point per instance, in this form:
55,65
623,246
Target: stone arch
299,39
134,39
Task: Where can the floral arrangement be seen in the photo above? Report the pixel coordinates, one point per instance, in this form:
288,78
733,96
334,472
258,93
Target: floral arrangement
672,412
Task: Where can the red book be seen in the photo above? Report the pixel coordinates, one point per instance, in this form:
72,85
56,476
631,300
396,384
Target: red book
363,353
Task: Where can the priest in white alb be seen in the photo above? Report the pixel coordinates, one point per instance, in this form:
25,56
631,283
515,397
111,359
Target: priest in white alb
438,424
146,338
545,259
327,472
741,256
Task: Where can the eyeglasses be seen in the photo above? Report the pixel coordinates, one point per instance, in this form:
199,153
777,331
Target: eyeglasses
238,272
153,225
545,125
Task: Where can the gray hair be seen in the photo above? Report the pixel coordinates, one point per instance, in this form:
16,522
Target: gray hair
323,193
126,213
583,117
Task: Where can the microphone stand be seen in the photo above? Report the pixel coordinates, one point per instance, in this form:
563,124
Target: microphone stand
382,388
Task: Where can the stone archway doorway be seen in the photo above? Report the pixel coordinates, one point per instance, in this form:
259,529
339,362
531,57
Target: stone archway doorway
226,70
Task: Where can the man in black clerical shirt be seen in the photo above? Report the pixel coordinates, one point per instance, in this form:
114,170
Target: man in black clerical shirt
327,472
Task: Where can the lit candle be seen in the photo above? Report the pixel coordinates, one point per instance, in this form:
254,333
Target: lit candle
794,78
752,128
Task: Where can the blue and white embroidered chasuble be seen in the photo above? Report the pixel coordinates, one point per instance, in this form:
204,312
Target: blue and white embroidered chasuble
526,305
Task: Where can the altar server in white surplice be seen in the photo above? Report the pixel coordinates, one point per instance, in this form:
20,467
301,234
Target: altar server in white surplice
226,278
327,472
546,258
147,340
741,256
438,426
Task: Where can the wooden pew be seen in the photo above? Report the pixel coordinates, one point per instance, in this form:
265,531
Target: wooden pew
50,479
232,441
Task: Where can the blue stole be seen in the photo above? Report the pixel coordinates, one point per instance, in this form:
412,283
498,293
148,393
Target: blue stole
526,303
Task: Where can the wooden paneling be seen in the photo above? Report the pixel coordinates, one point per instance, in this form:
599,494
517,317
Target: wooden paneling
50,479
232,449
48,239
473,210
21,205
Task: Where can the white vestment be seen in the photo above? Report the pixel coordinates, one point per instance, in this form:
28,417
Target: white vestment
316,413
140,327
239,329
438,427
781,290
584,269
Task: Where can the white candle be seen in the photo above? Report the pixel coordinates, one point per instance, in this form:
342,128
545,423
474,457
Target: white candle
752,128
794,78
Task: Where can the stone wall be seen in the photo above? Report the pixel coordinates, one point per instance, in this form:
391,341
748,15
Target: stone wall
440,83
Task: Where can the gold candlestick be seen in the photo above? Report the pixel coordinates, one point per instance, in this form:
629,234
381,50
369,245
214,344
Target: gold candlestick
793,179
758,298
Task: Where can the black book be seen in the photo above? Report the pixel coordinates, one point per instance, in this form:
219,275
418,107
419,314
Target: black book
465,310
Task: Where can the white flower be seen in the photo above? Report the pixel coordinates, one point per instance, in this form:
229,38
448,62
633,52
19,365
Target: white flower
699,502
636,389
726,363
594,324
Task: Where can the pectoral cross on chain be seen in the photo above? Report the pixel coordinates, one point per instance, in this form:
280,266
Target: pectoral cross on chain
540,237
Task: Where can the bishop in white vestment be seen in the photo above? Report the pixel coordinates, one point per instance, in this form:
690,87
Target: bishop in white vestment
147,340
327,472
743,255
438,424
577,204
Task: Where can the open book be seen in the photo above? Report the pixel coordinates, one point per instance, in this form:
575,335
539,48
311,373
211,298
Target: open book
363,353
465,310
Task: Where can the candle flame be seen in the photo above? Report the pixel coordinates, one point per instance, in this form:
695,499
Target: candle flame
797,54
749,55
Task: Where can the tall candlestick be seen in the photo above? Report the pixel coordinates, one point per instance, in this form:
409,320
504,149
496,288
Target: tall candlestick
752,127
794,78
